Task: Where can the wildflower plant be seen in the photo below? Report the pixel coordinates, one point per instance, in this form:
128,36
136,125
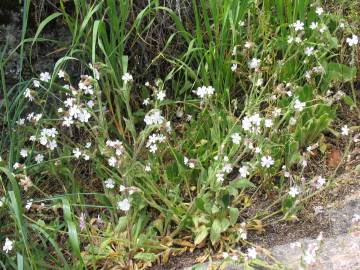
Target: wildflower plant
126,171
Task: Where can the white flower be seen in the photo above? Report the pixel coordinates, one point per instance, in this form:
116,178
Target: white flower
259,82
36,83
322,29
8,246
246,123
85,156
39,158
298,40
204,91
127,77
76,152
220,177
124,205
153,148
234,67
2,201
16,165
189,163
345,130
61,73
267,161
354,40
88,145
299,106
112,161
68,121
244,171
254,63
251,252
314,25
154,118
248,44
146,101
319,11
225,255
109,183
290,39
292,121
24,153
227,168
90,104
147,168
268,123
95,71
309,51
45,76
161,95
276,112
236,138
28,94
320,181
294,191
298,25
28,204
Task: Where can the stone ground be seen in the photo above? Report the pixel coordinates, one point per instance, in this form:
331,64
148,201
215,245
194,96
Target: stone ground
340,250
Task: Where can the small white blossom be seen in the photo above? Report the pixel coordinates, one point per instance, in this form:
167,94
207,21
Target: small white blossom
127,77
345,130
244,171
76,152
267,161
309,51
314,25
112,161
254,63
268,123
154,118
24,153
236,138
299,106
204,91
147,168
8,246
109,183
354,40
294,191
39,158
161,95
36,83
61,73
234,67
319,11
319,182
298,25
251,252
45,76
124,205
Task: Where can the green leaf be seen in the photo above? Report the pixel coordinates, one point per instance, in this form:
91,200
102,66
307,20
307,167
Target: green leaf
147,257
201,235
234,215
122,224
242,183
218,226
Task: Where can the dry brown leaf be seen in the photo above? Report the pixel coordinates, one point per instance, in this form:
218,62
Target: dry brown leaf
334,158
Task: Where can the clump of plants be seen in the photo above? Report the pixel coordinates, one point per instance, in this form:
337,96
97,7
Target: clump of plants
104,170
